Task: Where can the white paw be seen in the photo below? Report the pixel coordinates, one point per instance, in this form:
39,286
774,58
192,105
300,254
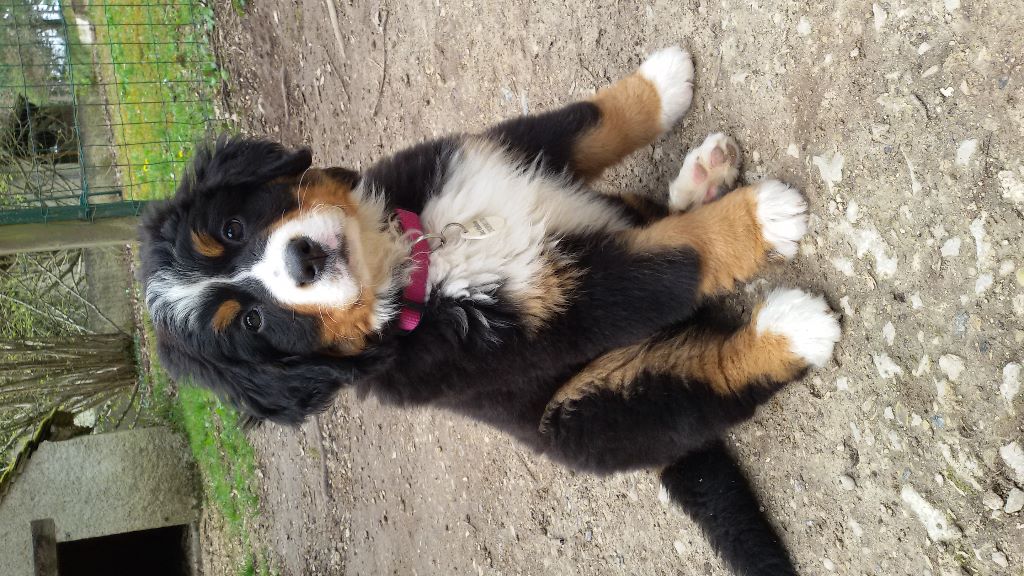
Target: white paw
707,172
782,214
804,319
671,72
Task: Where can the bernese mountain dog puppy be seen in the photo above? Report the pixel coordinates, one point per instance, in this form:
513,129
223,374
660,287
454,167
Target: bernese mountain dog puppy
480,273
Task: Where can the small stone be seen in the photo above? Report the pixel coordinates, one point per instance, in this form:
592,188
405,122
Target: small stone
680,549
951,248
1000,559
1014,501
803,27
966,148
889,333
991,500
1011,381
829,565
1013,455
951,365
847,483
885,366
935,521
983,283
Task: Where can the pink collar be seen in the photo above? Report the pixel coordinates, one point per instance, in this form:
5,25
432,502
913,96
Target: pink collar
415,295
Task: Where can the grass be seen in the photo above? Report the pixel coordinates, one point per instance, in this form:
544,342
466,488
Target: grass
222,453
159,76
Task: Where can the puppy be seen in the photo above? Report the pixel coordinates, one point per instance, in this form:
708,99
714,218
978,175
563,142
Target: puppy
481,274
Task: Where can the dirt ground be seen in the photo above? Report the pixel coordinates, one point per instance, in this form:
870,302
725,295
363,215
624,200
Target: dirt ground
901,120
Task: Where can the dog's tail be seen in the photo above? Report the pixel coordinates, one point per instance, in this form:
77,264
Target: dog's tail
711,488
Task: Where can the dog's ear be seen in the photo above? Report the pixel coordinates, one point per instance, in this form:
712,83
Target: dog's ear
285,390
343,175
239,161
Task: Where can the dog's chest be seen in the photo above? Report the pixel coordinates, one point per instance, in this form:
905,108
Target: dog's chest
533,208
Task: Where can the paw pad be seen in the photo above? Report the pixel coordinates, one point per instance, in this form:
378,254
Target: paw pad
708,171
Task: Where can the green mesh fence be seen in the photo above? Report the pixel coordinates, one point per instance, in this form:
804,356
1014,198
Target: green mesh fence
100,104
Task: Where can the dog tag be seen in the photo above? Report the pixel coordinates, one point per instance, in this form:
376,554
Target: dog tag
483,227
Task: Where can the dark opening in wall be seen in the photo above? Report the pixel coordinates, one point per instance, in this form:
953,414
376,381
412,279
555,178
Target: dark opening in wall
157,552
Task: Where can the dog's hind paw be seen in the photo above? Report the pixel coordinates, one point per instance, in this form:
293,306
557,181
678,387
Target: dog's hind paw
782,215
804,320
670,70
708,171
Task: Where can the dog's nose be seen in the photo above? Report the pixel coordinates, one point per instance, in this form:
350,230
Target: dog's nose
304,260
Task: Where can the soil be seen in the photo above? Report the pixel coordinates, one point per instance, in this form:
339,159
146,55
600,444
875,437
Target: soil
903,122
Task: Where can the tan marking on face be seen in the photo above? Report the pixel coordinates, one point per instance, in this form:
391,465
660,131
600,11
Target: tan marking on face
344,330
225,315
548,294
725,233
204,244
630,118
319,189
728,364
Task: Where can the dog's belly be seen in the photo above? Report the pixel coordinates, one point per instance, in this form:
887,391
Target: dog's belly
534,207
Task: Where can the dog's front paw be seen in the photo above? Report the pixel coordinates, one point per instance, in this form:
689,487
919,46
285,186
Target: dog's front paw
671,72
707,172
804,320
782,215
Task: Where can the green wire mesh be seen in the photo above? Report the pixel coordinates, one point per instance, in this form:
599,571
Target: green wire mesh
100,104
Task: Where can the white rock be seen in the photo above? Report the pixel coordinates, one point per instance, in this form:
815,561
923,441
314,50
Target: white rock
1013,455
964,151
885,365
983,283
939,528
830,167
844,265
982,246
880,17
1012,185
915,301
847,482
803,27
829,565
680,549
852,211
843,383
951,248
952,5
1011,381
1014,501
889,333
1000,559
793,150
924,366
991,500
952,366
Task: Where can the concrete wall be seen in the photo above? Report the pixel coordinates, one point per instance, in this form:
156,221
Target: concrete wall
96,486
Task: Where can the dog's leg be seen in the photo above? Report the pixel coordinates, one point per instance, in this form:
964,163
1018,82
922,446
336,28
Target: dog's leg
647,405
585,138
734,236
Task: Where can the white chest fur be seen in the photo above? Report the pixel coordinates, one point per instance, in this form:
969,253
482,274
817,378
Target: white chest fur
536,207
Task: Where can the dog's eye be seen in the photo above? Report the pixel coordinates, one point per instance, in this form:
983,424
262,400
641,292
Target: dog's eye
233,230
253,320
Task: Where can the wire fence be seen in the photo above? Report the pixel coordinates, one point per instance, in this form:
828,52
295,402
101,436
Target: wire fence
100,104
